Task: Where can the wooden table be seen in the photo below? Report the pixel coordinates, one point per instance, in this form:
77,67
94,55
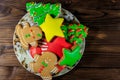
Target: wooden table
101,60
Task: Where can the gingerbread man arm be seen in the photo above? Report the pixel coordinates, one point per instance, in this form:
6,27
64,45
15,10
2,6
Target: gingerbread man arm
37,58
19,33
27,25
34,65
55,70
35,43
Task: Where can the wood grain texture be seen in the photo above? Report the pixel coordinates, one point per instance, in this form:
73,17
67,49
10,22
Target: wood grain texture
101,60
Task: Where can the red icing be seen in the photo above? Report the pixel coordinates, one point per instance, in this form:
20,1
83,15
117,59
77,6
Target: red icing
78,30
57,45
78,24
70,30
33,36
35,50
41,69
60,68
31,30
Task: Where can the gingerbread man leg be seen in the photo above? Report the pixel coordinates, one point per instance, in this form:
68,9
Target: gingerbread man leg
46,75
33,65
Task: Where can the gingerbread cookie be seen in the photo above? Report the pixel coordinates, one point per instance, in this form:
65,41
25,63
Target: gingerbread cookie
28,35
44,64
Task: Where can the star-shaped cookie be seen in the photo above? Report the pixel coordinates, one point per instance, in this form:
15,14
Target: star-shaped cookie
51,27
57,45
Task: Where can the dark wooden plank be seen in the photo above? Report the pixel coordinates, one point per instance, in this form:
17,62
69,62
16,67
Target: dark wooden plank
5,72
103,37
91,74
104,60
19,73
103,48
9,60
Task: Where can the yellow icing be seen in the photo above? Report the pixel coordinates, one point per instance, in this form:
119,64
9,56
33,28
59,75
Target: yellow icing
51,27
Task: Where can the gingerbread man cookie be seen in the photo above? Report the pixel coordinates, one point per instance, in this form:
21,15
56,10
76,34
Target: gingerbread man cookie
28,35
45,65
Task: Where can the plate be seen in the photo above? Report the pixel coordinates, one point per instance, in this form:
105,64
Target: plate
25,58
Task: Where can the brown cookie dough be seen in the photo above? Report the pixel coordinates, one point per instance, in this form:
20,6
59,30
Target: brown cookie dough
44,64
28,35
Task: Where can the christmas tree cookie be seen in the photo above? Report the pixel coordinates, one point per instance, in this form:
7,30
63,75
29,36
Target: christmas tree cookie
75,33
39,11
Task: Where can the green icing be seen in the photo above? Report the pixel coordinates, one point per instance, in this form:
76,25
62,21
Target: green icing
44,64
27,35
71,57
77,31
39,35
39,11
65,31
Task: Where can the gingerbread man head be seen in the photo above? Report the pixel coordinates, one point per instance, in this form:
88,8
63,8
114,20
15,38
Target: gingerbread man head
44,64
28,35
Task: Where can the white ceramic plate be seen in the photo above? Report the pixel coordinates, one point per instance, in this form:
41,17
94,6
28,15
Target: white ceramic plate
23,55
